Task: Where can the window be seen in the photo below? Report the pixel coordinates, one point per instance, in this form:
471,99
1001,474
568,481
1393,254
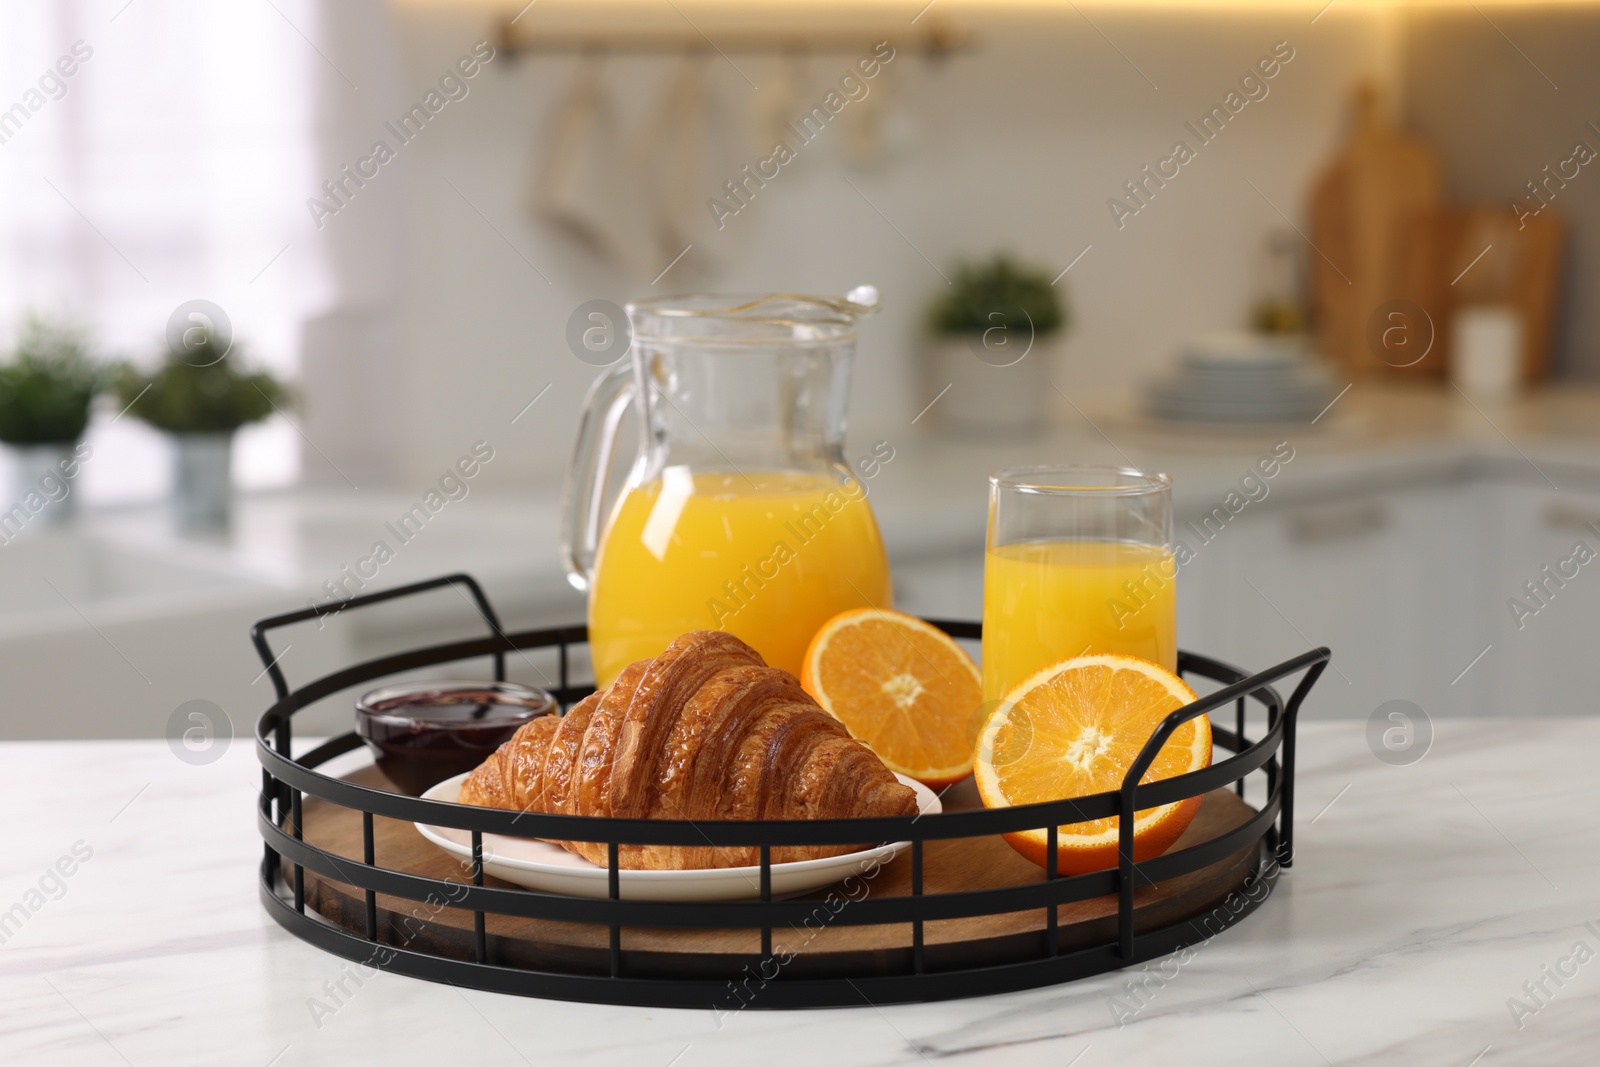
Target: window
151,153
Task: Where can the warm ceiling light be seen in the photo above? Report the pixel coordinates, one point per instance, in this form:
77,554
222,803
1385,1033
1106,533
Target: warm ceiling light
886,8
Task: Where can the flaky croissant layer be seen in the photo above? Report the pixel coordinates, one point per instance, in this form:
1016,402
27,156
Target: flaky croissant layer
707,731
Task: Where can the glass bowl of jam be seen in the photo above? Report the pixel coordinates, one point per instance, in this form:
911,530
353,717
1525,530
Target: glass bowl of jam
421,733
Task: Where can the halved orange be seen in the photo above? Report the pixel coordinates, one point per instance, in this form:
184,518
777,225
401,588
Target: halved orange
902,686
1075,728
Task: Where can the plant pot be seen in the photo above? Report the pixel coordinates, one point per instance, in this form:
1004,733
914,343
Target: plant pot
993,393
39,486
202,483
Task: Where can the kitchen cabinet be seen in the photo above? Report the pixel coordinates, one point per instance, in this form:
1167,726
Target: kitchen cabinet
1372,576
1540,654
1409,587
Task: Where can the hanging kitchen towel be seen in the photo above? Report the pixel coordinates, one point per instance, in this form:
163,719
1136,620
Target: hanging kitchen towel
861,124
583,185
669,158
684,156
778,102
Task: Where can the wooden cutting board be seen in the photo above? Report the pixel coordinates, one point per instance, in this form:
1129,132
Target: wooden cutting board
950,866
1375,227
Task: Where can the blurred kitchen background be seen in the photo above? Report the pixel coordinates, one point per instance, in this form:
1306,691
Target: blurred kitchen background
1376,255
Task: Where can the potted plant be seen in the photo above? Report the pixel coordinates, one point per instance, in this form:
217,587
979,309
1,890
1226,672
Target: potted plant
201,399
46,389
991,339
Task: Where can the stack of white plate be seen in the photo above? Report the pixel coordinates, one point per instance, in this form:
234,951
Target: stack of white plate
1242,378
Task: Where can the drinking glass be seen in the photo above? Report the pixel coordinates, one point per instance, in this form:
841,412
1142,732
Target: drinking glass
1079,560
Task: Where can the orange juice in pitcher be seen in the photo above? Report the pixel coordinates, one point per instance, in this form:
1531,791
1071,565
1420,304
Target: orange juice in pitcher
739,513
767,556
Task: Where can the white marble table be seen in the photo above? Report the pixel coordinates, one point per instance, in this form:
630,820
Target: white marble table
1422,900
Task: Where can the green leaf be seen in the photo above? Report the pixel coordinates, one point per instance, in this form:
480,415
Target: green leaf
998,292
48,385
215,396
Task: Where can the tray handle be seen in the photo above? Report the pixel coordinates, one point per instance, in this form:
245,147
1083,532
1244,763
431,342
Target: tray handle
1317,661
258,632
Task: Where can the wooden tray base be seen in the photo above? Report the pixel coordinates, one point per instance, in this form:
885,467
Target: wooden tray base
818,948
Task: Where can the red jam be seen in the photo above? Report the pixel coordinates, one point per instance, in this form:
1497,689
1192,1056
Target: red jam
421,733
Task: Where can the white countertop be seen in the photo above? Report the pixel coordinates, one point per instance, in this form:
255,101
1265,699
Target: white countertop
1422,898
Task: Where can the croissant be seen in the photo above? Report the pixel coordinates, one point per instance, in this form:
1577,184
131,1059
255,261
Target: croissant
707,731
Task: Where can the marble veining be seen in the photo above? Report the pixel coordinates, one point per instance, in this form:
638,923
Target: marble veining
1424,901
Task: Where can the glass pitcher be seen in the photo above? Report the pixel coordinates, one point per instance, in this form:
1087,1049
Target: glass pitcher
740,512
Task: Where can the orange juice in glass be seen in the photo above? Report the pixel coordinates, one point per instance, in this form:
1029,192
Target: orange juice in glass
1079,560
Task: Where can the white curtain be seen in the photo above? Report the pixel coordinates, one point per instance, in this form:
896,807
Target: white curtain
174,163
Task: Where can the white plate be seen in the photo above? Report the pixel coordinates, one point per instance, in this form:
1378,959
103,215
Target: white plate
552,869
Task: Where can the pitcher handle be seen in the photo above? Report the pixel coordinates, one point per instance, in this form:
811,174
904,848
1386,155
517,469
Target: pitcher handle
585,504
